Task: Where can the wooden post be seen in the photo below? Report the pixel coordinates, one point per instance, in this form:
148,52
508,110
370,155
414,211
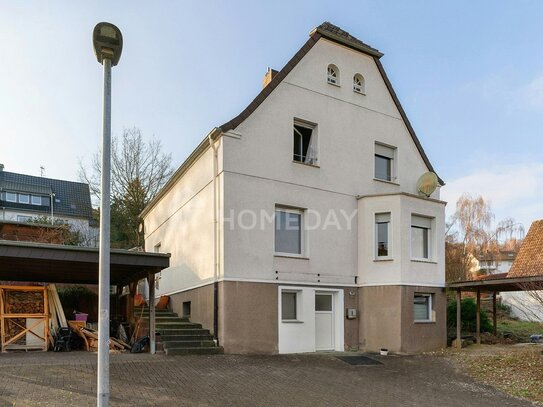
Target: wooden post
494,315
132,287
46,322
152,325
458,319
478,318
2,338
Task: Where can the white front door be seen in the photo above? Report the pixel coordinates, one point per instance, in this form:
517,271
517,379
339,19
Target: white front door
324,321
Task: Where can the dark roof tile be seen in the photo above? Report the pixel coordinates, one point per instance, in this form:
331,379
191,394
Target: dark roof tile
71,198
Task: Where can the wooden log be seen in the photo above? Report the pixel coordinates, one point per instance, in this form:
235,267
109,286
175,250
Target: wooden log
77,329
23,288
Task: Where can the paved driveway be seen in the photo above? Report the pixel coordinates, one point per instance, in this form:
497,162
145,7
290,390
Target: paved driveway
68,379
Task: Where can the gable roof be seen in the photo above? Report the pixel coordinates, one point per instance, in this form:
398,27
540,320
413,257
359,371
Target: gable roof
529,261
71,198
331,32
325,30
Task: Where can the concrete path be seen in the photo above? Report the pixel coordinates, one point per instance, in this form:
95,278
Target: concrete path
62,379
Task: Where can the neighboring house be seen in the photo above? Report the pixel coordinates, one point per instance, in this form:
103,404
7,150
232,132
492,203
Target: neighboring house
496,263
528,263
297,226
26,198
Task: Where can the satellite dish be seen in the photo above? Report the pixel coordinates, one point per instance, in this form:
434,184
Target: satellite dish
427,184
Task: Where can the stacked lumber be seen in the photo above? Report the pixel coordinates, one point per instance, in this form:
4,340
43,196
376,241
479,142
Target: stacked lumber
90,338
57,318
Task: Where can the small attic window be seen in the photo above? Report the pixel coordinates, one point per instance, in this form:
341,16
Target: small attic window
333,75
359,84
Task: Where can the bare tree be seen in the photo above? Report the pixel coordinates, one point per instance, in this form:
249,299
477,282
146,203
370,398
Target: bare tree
475,236
530,305
139,170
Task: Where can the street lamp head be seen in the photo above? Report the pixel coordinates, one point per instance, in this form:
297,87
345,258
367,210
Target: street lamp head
107,41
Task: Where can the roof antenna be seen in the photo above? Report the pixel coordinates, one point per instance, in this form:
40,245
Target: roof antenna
42,170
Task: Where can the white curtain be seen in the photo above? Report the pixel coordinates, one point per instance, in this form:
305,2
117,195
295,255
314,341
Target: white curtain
312,150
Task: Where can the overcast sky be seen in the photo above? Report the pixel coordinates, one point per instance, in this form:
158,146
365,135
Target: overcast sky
469,75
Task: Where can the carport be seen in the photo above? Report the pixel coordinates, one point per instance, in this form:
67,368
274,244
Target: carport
51,263
491,284
526,274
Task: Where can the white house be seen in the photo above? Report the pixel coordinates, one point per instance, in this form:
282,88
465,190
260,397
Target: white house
297,226
25,198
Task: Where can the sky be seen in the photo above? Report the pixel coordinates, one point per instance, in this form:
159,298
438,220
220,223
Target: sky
469,75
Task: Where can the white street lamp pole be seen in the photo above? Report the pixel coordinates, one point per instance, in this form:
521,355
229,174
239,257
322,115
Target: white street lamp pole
104,272
108,43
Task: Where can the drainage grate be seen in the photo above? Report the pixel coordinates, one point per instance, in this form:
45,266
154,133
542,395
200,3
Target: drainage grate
359,360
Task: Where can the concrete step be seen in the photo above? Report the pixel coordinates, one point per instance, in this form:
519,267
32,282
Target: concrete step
184,331
159,314
194,351
160,319
188,344
182,337
157,311
176,325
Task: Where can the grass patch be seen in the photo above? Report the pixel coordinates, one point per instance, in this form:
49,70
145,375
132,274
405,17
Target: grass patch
521,330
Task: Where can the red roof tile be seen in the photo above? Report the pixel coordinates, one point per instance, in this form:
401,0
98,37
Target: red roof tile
529,261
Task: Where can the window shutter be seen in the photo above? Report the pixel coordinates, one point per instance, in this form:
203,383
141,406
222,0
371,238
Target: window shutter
421,308
421,222
382,217
384,151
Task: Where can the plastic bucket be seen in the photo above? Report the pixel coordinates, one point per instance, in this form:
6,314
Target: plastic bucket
80,316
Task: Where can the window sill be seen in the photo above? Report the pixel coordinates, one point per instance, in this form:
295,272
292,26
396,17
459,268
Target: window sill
291,321
334,84
423,261
386,182
424,322
383,259
291,256
307,165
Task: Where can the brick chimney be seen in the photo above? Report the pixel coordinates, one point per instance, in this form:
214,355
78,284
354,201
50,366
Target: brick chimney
270,74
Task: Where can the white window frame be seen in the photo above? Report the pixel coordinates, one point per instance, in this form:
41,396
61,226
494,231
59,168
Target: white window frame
431,316
389,235
389,152
430,223
300,212
314,138
14,194
26,200
359,88
298,302
332,80
32,199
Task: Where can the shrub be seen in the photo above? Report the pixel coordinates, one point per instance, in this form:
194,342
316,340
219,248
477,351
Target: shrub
468,314
78,298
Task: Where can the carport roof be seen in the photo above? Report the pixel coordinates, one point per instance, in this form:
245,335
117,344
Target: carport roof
496,284
51,263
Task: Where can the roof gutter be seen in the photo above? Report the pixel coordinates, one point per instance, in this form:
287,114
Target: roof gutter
214,134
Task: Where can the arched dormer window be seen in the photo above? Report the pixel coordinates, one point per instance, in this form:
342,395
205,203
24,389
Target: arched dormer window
333,75
359,84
